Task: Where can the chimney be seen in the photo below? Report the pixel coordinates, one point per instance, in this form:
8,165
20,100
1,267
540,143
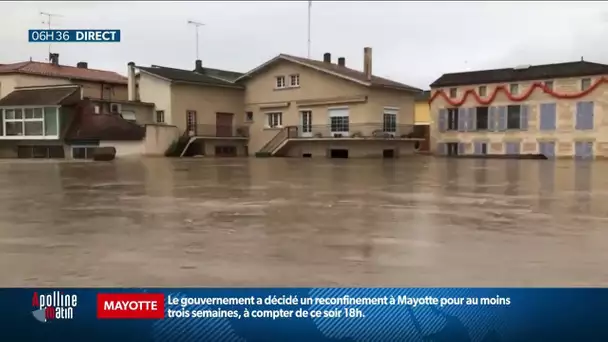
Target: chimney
54,58
131,86
199,66
342,61
367,62
82,65
327,57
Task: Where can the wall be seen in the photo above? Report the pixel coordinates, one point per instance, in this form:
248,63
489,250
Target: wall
125,148
158,91
143,114
158,139
98,90
565,134
206,101
209,146
12,81
422,112
356,148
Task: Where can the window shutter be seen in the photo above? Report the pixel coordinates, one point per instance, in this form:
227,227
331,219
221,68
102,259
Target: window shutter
547,116
492,119
441,149
512,148
524,118
579,115
443,120
462,119
461,148
589,148
477,148
578,150
472,123
502,118
590,114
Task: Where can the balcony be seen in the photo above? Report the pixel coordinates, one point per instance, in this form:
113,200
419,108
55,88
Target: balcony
354,131
218,131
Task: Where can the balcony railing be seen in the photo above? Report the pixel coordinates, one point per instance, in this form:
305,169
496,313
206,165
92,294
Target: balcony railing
218,131
355,130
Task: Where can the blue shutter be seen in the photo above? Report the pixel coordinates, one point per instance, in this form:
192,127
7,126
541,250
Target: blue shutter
442,149
589,113
589,148
502,118
461,148
443,120
579,114
548,149
524,118
476,148
512,148
578,149
462,119
472,120
548,116
492,119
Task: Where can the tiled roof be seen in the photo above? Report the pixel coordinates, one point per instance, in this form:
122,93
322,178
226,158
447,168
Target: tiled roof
534,72
350,73
180,75
90,126
63,71
47,96
230,76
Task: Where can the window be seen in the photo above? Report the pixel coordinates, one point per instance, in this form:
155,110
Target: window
548,116
453,92
585,83
280,82
482,118
389,121
83,152
97,109
513,117
294,80
514,89
339,124
452,119
584,115
549,85
249,116
482,91
275,120
160,116
33,122
452,149
128,115
480,148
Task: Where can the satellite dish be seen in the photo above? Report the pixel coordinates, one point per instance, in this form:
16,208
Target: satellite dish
522,67
39,315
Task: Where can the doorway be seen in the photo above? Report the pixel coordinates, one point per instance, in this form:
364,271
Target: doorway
223,124
306,123
338,153
452,149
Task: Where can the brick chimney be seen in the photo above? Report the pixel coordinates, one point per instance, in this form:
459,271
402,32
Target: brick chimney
367,62
54,58
82,65
131,86
198,66
342,61
327,57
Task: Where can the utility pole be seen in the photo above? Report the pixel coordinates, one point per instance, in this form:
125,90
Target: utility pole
49,17
309,10
196,26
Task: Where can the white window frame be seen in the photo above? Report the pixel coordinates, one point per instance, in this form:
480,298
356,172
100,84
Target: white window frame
160,114
390,111
23,120
514,88
583,88
343,110
295,77
270,118
280,82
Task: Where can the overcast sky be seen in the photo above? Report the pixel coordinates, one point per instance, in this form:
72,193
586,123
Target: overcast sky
412,42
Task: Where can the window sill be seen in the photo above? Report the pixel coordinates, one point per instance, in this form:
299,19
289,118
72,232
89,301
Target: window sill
276,128
286,88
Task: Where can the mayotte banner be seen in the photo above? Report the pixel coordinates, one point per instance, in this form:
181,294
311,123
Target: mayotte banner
304,314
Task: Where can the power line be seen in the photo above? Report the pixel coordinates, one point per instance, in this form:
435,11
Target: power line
196,26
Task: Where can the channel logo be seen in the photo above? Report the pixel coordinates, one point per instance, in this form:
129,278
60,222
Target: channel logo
52,306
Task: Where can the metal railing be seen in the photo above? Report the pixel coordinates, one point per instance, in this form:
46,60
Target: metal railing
218,131
357,130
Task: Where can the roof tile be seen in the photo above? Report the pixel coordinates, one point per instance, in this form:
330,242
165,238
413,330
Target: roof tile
39,96
63,71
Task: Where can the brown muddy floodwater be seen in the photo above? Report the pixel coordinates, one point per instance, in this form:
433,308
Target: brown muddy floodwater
304,222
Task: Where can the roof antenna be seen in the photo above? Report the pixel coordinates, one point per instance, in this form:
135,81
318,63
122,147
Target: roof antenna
196,26
582,60
49,17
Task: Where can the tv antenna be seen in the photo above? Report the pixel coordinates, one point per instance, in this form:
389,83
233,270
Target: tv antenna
309,10
49,19
196,26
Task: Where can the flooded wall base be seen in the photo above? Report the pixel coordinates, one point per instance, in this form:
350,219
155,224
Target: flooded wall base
356,149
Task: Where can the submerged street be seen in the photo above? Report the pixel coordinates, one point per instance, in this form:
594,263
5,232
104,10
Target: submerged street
303,222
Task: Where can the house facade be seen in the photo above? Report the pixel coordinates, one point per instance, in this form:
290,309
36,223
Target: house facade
555,110
288,106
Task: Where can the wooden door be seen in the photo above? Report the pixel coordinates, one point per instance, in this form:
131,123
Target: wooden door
223,124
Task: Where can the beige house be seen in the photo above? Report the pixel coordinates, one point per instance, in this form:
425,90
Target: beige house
96,84
288,106
555,110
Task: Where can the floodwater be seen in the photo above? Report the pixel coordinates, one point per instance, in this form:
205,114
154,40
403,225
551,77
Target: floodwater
415,221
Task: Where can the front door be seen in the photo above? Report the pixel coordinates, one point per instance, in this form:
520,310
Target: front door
223,124
191,122
306,124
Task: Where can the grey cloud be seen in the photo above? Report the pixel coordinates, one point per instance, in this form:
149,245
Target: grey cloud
413,42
